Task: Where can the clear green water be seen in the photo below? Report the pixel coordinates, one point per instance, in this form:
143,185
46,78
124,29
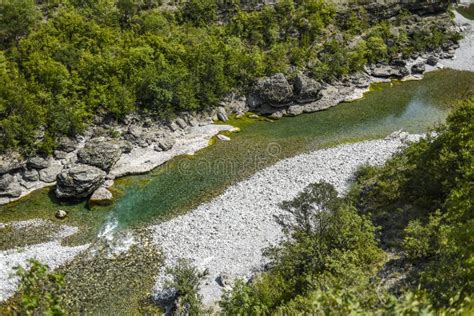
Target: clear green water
187,181
467,11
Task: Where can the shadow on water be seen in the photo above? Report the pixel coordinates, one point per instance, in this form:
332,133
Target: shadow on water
187,181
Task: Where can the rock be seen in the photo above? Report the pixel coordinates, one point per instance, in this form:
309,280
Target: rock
398,63
418,68
31,175
79,181
101,153
276,115
181,123
254,116
60,214
389,71
306,89
223,138
224,280
5,181
66,144
49,174
222,117
59,154
135,131
165,144
125,146
295,110
38,163
13,190
274,90
173,127
432,60
101,196
10,162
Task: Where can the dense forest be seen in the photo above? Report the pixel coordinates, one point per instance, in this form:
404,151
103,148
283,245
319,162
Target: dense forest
64,62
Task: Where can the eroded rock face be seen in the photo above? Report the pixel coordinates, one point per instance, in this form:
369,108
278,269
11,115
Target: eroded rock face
274,90
101,153
384,71
79,181
306,89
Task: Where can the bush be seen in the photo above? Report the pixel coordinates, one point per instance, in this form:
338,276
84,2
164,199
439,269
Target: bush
40,290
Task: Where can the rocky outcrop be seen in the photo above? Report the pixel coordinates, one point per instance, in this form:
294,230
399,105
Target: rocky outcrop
100,152
385,9
38,163
10,162
80,181
385,71
305,88
274,90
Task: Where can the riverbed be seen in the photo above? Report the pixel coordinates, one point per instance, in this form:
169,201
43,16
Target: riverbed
188,181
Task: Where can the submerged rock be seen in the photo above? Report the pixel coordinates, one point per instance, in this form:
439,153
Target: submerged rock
60,214
100,152
79,181
101,196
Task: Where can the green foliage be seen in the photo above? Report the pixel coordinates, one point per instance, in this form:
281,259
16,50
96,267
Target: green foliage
423,199
16,19
329,246
111,57
185,281
40,290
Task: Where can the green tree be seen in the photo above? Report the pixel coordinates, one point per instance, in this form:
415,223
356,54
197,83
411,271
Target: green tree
40,290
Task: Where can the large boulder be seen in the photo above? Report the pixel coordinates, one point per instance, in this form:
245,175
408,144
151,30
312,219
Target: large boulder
306,89
274,90
79,181
5,181
38,163
49,174
101,153
384,71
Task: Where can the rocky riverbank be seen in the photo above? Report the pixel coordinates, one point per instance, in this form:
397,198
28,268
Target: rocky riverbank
87,165
226,236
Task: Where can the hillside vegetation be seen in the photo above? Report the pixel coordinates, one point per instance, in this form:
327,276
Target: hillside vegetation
62,64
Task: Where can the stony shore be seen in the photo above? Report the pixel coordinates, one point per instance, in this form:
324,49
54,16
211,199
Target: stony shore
226,236
51,253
